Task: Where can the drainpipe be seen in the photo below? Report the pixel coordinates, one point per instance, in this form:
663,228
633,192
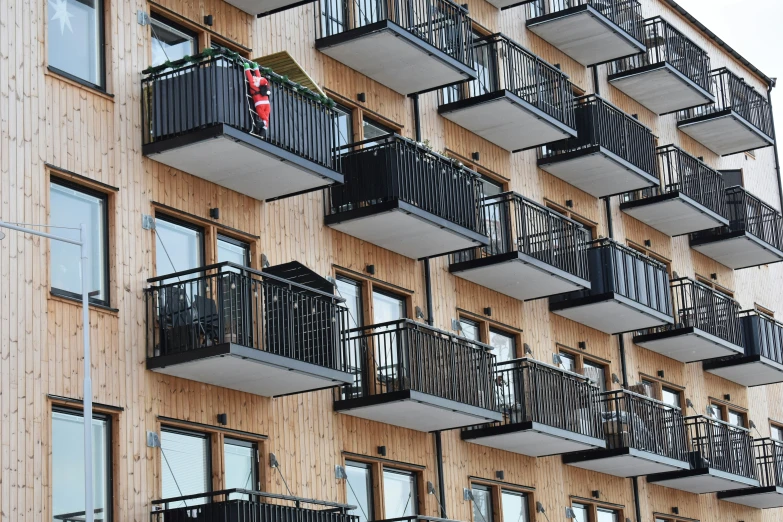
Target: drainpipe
596,85
775,146
416,116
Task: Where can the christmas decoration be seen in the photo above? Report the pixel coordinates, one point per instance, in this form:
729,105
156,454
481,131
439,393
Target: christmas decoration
61,14
258,90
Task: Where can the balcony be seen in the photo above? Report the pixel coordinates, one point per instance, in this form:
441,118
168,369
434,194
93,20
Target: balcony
196,118
629,291
740,120
761,362
406,198
720,455
613,153
589,31
690,197
231,326
673,75
518,100
418,377
643,436
246,505
546,411
706,325
754,235
410,46
769,467
533,251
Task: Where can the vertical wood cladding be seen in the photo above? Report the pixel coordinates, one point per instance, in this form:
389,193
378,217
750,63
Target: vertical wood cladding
45,118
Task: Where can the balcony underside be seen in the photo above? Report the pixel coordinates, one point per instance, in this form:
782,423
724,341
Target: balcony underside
394,57
674,214
239,161
623,462
737,250
506,120
532,438
585,35
751,370
760,498
725,133
661,88
257,7
248,370
518,275
610,313
598,172
406,229
687,344
702,480
417,411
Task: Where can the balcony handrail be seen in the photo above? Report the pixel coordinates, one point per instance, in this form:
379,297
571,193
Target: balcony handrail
415,517
712,420
477,345
748,213
769,461
605,241
536,362
625,391
543,208
718,444
254,493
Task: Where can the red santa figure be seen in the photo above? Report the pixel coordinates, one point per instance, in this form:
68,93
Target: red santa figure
258,89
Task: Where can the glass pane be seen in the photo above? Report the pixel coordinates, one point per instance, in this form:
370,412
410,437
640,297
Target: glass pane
776,433
671,397
373,130
185,466
70,208
596,373
515,507
75,39
470,329
344,127
170,43
359,490
232,252
399,493
240,462
568,362
177,248
715,412
608,515
504,346
490,186
68,465
736,418
482,504
580,512
351,291
387,308
649,388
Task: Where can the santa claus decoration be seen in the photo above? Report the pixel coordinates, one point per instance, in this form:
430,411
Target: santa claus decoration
258,90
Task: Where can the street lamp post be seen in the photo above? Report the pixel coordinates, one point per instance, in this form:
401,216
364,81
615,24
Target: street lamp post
84,246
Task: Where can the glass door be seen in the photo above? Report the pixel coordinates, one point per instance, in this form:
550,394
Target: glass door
390,346
240,458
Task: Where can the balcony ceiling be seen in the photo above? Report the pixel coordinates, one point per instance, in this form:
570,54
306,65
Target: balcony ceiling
752,370
688,345
506,120
623,462
738,250
702,480
662,89
255,7
610,315
725,133
759,498
532,438
674,214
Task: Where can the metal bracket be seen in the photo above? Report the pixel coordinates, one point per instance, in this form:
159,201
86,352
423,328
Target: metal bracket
273,461
142,18
467,494
147,222
153,440
339,473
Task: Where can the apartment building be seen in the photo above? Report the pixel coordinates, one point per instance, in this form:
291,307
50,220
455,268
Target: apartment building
506,261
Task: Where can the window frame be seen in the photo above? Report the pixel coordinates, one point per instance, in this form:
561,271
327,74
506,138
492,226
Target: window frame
177,26
254,445
415,493
776,426
725,407
652,254
486,325
589,224
377,466
706,281
658,385
594,505
371,483
103,43
220,236
580,358
209,457
164,216
496,489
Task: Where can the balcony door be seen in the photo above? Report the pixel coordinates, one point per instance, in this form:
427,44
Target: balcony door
359,493
240,460
400,493
185,468
504,350
391,358
236,295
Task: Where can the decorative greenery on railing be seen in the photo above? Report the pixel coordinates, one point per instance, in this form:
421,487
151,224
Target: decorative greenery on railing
221,52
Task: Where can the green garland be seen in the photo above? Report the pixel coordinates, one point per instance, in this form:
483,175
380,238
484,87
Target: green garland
209,53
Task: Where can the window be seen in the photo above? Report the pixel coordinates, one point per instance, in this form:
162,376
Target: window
185,468
68,464
581,512
360,489
504,345
171,41
593,369
607,515
763,310
490,186
179,246
470,329
776,432
665,393
567,361
372,129
591,226
515,506
399,493
596,373
736,418
343,127
351,291
482,503
240,460
724,411
732,178
75,39
652,255
70,206
589,512
714,285
233,251
387,307
671,396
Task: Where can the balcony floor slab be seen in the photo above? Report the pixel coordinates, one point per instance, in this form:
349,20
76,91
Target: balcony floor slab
760,498
506,120
702,480
241,162
394,57
752,370
417,411
687,344
725,133
624,462
661,88
737,250
674,214
257,7
237,367
610,313
532,438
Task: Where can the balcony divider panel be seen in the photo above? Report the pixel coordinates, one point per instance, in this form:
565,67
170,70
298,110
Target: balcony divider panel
627,14
719,445
763,336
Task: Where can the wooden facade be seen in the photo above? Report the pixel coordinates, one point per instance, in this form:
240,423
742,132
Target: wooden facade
50,125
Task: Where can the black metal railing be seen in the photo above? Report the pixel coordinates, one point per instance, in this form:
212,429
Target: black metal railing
247,505
626,14
719,445
769,462
214,91
394,168
441,23
405,355
747,213
762,335
698,306
622,270
79,516
531,391
732,93
228,303
683,173
503,64
601,124
631,420
514,223
665,44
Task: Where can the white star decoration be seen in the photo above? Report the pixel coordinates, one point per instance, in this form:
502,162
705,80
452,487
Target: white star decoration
61,13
